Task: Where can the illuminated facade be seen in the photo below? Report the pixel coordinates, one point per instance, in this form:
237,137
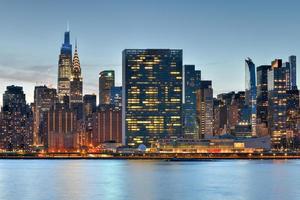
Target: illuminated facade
61,129
106,82
277,87
44,99
262,93
250,92
192,80
76,80
16,130
204,109
152,95
64,68
116,96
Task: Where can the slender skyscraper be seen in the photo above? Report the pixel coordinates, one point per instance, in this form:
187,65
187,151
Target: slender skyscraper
204,108
293,72
262,93
106,82
64,68
250,92
152,95
192,80
76,80
277,97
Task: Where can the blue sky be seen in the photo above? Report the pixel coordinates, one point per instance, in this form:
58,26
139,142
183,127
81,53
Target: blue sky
215,35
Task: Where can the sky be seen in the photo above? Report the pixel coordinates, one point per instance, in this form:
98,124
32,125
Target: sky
215,35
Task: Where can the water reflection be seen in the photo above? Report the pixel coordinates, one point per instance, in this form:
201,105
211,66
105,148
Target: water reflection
121,179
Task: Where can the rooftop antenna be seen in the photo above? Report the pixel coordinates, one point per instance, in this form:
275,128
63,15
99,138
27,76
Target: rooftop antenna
68,26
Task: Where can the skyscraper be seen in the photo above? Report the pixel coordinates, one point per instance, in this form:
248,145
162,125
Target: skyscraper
16,120
277,102
76,102
106,82
44,99
262,93
192,80
76,80
250,92
293,72
116,96
64,68
152,95
204,109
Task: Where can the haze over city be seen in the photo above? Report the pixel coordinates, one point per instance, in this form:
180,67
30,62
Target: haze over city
216,36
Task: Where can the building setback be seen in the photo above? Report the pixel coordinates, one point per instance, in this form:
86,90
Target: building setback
152,95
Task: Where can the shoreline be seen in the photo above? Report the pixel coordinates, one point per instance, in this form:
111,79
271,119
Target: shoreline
153,156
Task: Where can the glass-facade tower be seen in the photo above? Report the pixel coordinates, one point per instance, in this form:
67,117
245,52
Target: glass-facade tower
64,68
152,95
250,92
192,80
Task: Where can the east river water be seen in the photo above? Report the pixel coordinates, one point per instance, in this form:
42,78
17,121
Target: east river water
143,180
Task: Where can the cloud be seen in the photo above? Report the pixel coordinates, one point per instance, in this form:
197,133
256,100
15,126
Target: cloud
30,74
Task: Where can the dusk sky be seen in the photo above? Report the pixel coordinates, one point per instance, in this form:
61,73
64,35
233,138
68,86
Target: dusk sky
216,36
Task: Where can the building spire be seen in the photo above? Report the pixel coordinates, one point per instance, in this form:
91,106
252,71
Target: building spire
68,26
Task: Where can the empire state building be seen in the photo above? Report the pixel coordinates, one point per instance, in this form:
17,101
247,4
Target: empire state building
64,68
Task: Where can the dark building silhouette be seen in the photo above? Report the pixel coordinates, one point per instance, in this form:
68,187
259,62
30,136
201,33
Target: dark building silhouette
16,121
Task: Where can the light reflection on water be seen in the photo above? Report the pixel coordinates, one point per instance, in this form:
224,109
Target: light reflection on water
129,180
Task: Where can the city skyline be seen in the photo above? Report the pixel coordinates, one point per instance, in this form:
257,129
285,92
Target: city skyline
102,39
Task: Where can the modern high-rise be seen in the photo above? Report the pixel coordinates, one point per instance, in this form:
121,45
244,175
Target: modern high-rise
16,120
44,99
192,80
293,72
262,93
76,80
277,102
116,96
64,68
106,82
250,92
152,95
204,109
